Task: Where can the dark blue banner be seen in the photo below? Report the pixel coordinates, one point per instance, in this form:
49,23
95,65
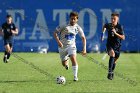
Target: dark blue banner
37,19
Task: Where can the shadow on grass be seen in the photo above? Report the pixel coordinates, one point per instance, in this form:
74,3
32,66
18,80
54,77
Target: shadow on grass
26,81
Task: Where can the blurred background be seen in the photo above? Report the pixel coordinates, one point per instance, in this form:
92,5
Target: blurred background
37,19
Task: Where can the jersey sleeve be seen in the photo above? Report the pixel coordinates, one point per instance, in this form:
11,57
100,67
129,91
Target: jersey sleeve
60,28
81,32
14,27
105,26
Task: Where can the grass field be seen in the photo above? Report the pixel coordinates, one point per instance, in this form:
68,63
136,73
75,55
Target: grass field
36,73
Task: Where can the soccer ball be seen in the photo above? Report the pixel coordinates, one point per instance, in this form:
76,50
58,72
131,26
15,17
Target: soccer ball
60,80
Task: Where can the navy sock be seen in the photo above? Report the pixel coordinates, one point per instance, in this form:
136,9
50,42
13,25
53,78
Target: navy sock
111,61
8,55
114,65
5,53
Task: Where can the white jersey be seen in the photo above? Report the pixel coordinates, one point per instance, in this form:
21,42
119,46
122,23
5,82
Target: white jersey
67,34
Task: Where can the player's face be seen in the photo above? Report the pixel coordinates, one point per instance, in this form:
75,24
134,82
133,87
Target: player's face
9,20
114,20
73,20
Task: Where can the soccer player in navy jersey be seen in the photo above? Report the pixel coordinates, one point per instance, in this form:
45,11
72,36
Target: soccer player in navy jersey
8,30
115,36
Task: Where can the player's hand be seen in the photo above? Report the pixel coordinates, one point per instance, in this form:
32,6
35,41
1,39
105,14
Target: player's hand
60,44
12,31
102,37
113,30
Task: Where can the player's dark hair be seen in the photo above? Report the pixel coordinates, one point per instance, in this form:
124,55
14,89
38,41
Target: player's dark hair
8,16
115,14
74,14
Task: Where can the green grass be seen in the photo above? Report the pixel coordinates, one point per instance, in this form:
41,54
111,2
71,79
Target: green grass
38,74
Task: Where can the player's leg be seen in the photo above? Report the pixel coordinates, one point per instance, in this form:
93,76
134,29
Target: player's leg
111,53
74,66
7,51
114,64
113,67
64,58
111,59
65,63
10,51
117,54
72,53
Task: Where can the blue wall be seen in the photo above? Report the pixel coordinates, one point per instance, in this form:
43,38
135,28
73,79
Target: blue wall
37,19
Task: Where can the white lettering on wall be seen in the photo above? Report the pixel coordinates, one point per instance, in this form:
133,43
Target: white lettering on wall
92,21
40,25
62,15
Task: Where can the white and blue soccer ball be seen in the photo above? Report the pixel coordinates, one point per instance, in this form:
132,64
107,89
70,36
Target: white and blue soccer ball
60,80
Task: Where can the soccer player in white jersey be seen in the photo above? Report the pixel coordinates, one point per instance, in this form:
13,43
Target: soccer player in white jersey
65,36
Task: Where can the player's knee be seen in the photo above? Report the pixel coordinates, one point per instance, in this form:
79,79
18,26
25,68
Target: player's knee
64,63
73,60
111,53
9,50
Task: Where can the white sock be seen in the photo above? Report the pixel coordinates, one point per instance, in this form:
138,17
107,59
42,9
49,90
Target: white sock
67,63
5,55
75,70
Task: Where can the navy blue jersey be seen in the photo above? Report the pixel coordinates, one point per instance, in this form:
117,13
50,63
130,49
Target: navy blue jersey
112,39
7,30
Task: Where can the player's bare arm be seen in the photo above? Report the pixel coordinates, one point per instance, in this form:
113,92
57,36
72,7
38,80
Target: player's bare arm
104,29
102,34
1,31
118,35
57,39
84,45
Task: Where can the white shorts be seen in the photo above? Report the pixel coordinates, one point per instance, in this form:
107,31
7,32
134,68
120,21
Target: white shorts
66,52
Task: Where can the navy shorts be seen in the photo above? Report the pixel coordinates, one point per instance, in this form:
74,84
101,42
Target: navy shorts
10,42
116,50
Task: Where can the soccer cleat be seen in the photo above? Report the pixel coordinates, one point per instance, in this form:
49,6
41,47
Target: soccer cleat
5,59
110,76
67,67
75,78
